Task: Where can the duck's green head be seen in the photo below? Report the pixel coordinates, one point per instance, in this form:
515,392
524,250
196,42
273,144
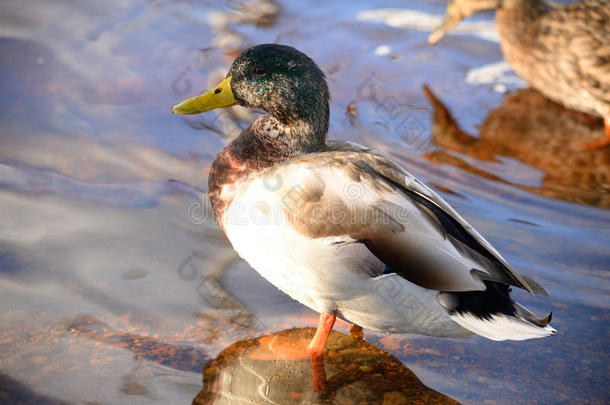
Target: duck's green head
276,78
457,10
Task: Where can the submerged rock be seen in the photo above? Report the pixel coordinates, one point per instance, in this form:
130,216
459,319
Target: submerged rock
275,369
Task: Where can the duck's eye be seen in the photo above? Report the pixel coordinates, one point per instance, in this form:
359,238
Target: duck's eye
260,70
217,91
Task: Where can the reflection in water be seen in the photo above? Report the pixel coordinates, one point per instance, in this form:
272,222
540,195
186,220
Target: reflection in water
261,13
541,134
14,392
272,370
186,358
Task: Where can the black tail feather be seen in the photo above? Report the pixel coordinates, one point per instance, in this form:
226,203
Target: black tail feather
493,300
529,316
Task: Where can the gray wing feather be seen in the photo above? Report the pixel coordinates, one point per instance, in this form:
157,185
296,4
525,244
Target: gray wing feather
398,250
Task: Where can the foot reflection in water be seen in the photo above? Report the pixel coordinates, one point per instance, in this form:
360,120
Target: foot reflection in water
541,134
275,369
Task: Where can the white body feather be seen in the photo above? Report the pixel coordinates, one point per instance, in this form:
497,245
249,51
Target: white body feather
502,327
336,274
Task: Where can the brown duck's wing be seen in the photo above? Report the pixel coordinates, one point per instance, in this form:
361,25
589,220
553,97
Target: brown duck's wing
576,38
350,195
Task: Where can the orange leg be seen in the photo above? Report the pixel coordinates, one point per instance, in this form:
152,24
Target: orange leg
600,142
316,350
356,331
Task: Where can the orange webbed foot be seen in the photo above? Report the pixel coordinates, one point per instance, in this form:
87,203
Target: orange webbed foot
598,143
356,332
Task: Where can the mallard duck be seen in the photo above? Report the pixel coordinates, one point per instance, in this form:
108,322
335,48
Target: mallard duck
344,230
562,52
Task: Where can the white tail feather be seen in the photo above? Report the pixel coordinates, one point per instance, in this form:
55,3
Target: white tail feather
502,327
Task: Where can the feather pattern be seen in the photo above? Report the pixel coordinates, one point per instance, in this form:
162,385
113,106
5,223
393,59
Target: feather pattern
563,52
502,327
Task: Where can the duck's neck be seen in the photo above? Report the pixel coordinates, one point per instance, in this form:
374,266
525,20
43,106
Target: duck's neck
266,142
296,136
521,13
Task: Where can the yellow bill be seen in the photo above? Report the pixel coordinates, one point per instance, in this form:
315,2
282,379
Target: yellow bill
219,96
450,21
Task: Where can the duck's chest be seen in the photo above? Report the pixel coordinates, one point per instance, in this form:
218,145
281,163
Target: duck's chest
532,46
226,173
247,157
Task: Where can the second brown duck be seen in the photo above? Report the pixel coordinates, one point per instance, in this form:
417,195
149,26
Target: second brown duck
562,52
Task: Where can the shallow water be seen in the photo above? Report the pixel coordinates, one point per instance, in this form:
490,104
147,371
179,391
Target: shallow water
117,284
